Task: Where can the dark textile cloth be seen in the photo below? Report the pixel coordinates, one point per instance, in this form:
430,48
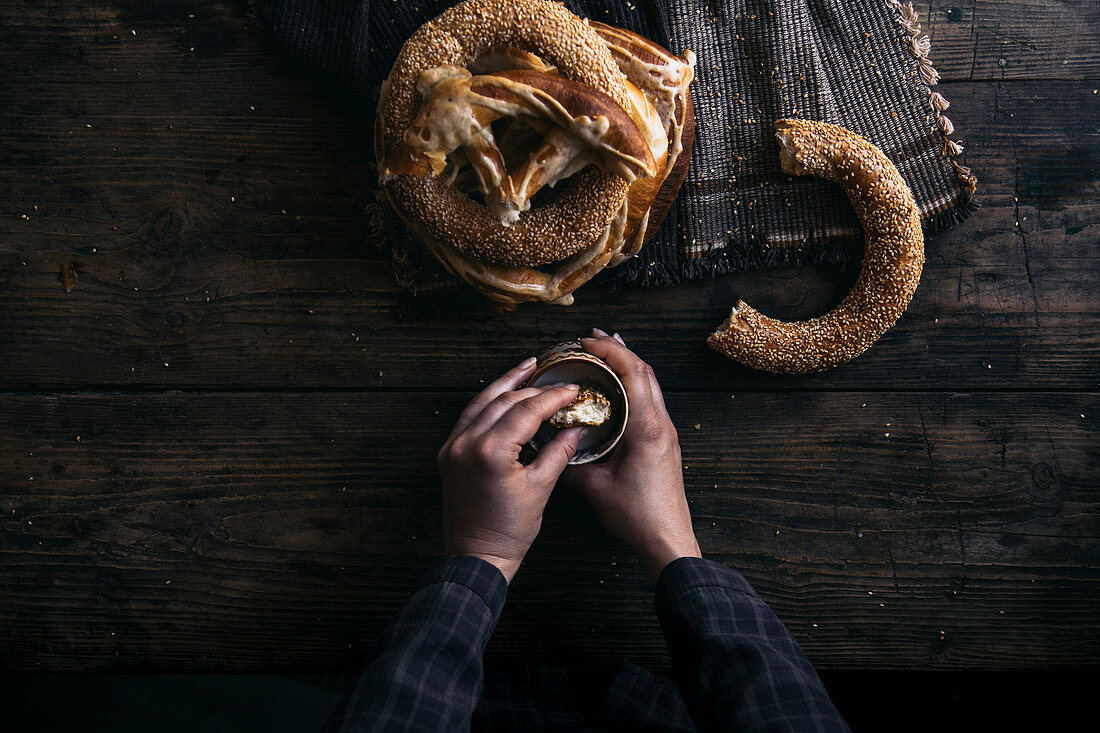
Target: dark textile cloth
424,673
737,667
858,63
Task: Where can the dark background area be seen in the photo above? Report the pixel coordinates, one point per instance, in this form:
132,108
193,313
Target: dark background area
201,471
953,701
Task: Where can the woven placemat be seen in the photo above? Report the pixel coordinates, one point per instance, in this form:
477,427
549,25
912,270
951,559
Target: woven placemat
863,65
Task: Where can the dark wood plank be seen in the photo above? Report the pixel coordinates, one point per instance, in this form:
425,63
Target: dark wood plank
183,256
68,41
244,532
1013,39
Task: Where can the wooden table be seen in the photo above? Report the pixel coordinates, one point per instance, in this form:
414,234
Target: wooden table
217,438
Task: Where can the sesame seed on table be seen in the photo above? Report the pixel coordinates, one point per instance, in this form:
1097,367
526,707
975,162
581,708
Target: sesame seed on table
182,261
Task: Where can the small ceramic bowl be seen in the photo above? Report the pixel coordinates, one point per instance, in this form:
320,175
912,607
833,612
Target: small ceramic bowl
568,362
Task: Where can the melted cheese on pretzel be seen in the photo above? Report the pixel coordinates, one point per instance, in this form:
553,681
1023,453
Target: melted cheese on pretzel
458,111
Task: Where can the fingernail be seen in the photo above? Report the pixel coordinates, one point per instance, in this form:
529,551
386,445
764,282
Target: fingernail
527,363
619,338
599,332
571,386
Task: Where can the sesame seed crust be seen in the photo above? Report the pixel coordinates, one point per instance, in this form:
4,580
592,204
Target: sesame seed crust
587,203
892,260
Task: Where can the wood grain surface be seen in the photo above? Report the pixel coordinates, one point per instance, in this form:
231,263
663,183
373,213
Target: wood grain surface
201,363
171,523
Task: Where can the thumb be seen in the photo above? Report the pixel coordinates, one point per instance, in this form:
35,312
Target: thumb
555,456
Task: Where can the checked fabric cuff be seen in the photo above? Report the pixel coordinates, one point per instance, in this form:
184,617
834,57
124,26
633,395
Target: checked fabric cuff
482,578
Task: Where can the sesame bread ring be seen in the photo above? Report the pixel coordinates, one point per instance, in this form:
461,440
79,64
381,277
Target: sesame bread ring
506,287
661,107
893,257
580,126
573,220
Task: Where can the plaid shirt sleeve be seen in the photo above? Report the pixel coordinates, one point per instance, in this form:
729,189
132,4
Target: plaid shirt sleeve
737,665
425,671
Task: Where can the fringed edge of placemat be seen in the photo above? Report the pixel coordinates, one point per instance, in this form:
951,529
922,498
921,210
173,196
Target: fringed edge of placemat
941,221
843,253
744,257
920,45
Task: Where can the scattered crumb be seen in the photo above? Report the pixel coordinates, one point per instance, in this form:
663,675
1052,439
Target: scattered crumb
68,276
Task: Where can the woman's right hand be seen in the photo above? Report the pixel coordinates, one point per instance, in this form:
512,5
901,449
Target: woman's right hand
638,494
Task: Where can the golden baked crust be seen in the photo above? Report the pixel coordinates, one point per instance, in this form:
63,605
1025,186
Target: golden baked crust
893,258
506,287
458,37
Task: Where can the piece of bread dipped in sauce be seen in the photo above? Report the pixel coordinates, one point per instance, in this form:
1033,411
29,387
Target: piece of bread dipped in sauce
588,408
